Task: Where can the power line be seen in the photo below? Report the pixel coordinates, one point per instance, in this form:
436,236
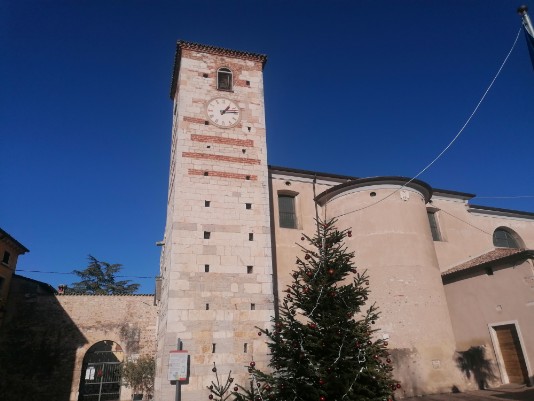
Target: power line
452,141
50,272
466,222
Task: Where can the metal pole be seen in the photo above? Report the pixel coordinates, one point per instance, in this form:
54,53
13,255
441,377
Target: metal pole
526,19
101,379
178,382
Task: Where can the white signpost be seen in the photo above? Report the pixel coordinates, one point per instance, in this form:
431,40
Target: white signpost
178,365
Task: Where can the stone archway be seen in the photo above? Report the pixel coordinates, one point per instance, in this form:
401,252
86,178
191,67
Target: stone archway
101,378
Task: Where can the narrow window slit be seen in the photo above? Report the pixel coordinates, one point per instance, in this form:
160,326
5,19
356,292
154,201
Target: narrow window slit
213,348
207,235
250,269
251,236
207,203
206,268
252,306
245,348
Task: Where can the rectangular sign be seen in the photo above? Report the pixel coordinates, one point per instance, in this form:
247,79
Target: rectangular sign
178,365
90,373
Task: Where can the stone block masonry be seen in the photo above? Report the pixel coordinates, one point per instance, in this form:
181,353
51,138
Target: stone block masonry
216,265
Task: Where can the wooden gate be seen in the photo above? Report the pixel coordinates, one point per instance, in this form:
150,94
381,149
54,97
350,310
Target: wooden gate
512,354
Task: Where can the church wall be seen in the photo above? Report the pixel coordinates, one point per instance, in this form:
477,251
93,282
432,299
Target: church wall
287,239
468,235
394,244
477,301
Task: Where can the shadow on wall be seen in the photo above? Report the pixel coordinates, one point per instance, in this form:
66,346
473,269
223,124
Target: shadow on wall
474,365
38,343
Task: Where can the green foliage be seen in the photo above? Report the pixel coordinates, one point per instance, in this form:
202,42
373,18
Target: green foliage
99,279
139,375
322,344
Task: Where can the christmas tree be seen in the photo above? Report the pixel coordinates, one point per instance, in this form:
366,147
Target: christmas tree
322,344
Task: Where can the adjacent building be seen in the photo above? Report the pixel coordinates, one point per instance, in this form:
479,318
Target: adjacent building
10,249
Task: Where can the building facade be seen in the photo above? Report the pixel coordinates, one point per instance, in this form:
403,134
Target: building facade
10,250
233,223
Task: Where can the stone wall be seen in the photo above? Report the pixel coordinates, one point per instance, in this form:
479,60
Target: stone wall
128,320
45,337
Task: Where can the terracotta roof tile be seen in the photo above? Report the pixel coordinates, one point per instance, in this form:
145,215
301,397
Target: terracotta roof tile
498,254
182,44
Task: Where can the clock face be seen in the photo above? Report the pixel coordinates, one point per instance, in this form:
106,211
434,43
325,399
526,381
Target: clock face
223,112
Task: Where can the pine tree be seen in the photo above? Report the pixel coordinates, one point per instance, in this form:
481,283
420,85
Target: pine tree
322,344
98,278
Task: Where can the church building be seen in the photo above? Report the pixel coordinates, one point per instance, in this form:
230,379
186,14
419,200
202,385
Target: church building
454,281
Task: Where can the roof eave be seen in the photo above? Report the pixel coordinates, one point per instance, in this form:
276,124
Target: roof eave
4,236
500,212
522,255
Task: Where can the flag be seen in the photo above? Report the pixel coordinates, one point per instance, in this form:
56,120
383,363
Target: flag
530,43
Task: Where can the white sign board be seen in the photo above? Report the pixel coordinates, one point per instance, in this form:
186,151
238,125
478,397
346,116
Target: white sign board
90,373
177,365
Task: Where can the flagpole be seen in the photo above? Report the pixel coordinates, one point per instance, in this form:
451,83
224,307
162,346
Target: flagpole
527,23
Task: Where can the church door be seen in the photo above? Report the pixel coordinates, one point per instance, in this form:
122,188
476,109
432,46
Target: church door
512,354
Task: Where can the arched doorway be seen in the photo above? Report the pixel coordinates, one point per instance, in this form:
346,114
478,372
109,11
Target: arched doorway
101,378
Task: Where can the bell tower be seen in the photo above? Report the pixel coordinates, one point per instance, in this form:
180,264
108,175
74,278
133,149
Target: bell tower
216,266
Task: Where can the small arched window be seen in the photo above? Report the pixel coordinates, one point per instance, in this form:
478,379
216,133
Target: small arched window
224,79
503,238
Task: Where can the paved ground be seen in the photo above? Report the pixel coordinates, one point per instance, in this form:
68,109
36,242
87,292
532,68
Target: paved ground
504,393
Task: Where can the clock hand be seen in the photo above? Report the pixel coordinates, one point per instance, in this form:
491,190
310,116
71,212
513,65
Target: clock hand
225,110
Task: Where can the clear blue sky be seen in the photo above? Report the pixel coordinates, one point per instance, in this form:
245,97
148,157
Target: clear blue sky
363,88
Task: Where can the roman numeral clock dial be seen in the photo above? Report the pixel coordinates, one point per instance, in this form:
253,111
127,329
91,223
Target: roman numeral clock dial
223,112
